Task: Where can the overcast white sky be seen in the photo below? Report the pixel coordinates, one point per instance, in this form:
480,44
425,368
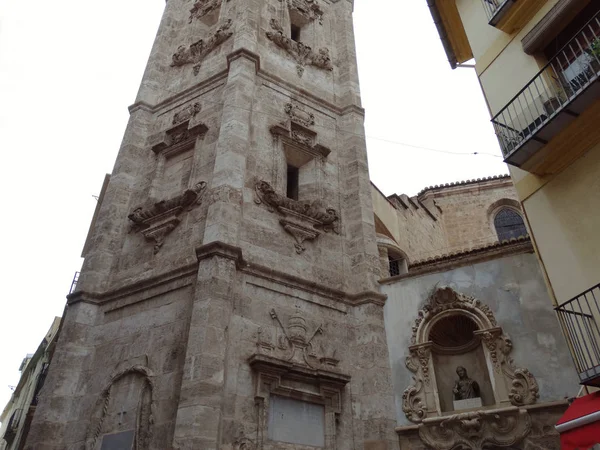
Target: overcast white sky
70,68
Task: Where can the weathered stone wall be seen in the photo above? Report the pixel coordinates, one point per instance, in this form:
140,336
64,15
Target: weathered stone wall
446,219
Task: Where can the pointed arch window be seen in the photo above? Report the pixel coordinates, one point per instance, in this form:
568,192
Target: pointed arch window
509,224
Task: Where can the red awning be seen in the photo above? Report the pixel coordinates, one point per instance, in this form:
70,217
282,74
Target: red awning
579,427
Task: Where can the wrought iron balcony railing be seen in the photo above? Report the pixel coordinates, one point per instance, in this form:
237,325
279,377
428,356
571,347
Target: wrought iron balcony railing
579,318
564,88
495,9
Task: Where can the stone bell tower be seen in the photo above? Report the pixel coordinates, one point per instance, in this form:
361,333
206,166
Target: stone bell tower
228,297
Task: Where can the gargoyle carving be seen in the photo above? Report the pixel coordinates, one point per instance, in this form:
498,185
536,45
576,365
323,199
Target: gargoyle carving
157,220
473,430
302,53
197,51
204,7
302,220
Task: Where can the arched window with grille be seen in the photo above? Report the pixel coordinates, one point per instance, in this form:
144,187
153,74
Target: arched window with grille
509,224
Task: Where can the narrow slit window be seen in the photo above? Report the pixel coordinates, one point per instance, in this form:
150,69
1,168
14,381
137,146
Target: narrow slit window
295,33
292,182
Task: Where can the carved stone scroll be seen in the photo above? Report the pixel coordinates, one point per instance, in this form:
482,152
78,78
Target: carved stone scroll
302,220
299,115
186,113
203,7
302,53
157,220
196,52
305,10
414,404
476,430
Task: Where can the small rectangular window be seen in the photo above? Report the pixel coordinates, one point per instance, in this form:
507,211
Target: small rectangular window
292,182
295,33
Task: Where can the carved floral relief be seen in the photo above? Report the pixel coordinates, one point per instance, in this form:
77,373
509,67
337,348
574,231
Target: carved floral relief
300,52
196,52
307,10
186,113
303,220
157,220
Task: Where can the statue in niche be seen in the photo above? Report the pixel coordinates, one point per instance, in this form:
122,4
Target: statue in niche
465,387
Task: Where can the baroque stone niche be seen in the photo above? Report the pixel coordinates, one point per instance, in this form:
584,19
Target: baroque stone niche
302,53
196,52
137,379
303,220
512,387
157,220
289,365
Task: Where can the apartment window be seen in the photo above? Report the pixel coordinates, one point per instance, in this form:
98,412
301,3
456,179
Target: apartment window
292,182
295,33
509,224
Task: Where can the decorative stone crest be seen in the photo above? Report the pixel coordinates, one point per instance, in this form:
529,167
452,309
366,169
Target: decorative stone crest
299,115
145,412
302,53
305,10
197,51
187,113
302,220
157,220
474,430
203,7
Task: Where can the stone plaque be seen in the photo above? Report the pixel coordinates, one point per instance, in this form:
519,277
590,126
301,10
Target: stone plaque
118,441
468,403
296,422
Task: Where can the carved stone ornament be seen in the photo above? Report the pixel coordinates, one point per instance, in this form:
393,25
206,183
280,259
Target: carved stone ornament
203,7
476,430
299,115
290,366
302,53
302,220
157,220
144,414
295,343
187,113
243,443
305,10
512,385
300,137
197,51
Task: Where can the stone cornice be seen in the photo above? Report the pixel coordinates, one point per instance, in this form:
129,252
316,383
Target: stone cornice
196,89
464,257
183,276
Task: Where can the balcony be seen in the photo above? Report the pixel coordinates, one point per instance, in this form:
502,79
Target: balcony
496,9
579,318
565,87
511,15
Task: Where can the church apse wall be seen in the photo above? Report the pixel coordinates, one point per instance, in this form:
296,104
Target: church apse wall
472,338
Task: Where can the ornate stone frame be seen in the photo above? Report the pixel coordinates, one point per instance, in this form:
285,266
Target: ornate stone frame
513,387
272,378
145,416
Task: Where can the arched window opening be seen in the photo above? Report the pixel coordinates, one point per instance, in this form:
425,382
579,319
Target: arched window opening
509,224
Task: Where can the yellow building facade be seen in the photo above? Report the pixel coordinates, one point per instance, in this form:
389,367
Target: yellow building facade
538,64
